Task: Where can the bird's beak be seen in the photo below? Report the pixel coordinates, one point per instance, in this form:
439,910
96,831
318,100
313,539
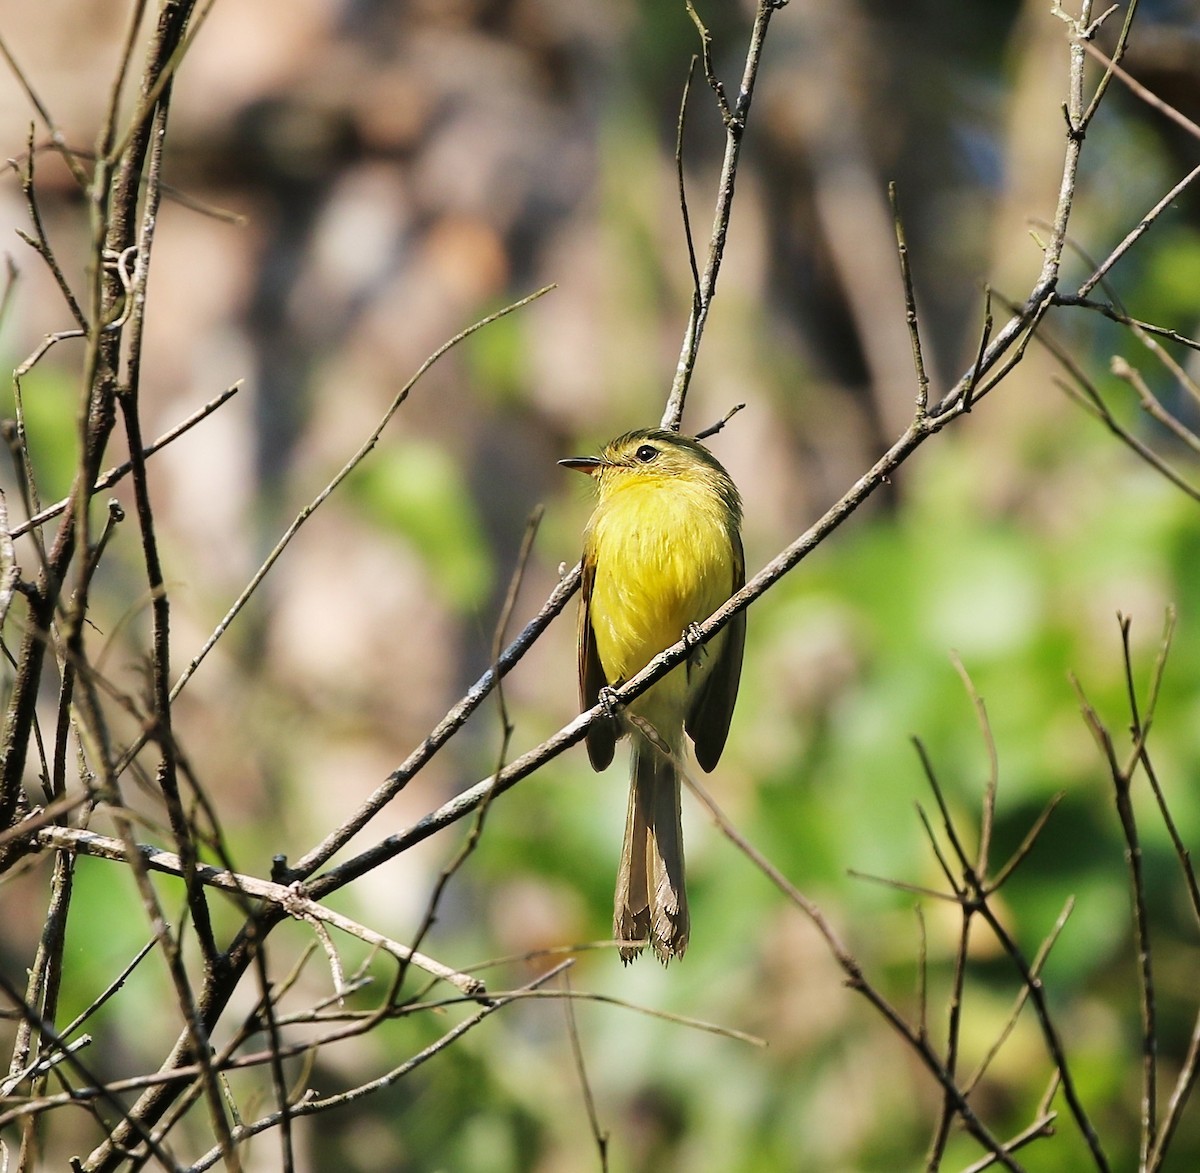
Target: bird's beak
587,464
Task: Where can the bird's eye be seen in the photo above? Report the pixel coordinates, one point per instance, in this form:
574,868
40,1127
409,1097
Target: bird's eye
646,453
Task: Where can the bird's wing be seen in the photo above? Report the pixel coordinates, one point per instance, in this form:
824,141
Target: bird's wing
601,737
709,717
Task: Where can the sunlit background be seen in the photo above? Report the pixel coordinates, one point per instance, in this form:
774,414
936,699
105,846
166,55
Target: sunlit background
354,183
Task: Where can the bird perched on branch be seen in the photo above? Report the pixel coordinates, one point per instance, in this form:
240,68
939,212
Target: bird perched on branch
661,552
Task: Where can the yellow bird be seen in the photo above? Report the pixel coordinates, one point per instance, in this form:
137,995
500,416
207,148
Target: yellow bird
662,551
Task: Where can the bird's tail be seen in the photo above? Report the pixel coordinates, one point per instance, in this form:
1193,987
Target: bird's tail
651,902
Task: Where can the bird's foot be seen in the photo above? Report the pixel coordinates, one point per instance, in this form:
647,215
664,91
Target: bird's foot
696,650
607,699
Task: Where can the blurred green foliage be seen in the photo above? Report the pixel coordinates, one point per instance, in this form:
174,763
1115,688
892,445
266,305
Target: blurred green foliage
50,402
417,490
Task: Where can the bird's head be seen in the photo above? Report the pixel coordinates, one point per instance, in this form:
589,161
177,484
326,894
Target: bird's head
655,455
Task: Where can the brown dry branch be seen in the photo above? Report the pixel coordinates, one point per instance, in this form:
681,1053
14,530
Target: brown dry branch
506,732
962,951
1150,403
1156,1131
976,892
1039,960
910,304
309,1103
1081,387
734,116
119,471
40,242
359,456
972,894
599,1135
856,979
1083,390
80,842
117,189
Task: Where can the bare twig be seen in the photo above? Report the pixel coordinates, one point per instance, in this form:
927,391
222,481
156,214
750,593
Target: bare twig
290,901
1136,88
1039,961
977,892
599,1135
1151,405
856,979
734,117
684,215
506,731
120,471
1185,1084
309,1105
1042,1126
713,429
910,305
1140,230
1121,777
56,137
354,461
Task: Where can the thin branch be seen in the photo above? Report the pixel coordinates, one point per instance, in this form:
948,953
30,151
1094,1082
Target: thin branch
1053,1040
719,426
296,905
40,241
1026,845
71,1059
1184,1086
734,117
1089,398
56,137
1178,372
985,335
910,304
1042,1126
311,1104
599,1135
855,978
120,471
1140,230
685,216
1121,778
988,816
954,1007
506,731
1084,392
1118,52
967,391
1039,961
1151,405
454,720
345,471
1136,88
1117,315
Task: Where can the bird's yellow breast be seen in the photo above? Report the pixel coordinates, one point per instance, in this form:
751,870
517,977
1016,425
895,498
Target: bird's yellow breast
663,559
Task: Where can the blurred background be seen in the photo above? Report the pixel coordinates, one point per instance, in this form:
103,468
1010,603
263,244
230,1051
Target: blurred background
388,172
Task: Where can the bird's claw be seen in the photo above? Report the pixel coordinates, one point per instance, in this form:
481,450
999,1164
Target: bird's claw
606,698
692,637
